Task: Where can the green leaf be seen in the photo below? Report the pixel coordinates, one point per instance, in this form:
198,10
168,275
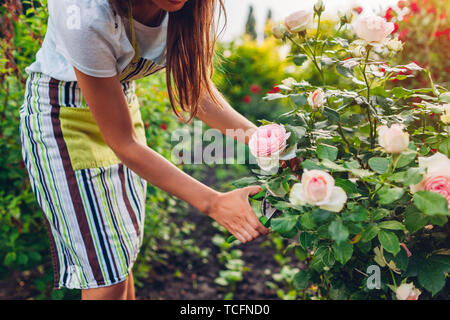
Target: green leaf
343,251
379,214
301,253
413,176
325,151
397,177
348,186
358,214
297,132
406,158
9,259
415,220
284,224
306,240
342,68
389,241
338,231
307,221
379,165
301,280
299,99
391,225
299,59
438,220
388,195
444,147
441,262
401,260
369,233
244,182
311,165
431,203
331,114
431,276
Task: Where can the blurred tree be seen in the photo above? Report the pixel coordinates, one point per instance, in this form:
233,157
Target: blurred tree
268,23
250,26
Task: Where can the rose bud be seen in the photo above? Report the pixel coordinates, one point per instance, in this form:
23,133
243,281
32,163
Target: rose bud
393,139
407,291
316,99
279,31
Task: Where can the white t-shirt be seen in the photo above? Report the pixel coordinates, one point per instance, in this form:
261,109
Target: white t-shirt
88,35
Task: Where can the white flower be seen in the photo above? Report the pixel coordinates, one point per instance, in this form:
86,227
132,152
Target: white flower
395,45
407,291
358,48
317,188
393,139
298,21
373,29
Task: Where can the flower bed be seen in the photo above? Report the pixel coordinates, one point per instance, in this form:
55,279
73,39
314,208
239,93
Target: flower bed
363,188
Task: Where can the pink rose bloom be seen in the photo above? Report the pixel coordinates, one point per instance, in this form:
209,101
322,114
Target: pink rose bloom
373,28
317,188
393,139
298,21
316,99
267,143
437,177
407,291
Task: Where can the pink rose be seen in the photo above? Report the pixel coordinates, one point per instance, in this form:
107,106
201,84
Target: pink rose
317,188
437,177
298,21
267,143
316,99
393,139
373,28
407,291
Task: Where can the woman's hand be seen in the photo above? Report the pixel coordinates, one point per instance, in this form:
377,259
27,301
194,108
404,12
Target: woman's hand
233,211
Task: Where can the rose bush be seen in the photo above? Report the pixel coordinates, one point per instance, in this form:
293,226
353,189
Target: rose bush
367,183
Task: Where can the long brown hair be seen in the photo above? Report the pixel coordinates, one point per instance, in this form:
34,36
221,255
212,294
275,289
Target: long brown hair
191,38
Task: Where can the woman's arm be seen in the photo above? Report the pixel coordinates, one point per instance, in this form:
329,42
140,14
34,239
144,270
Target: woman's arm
225,118
111,112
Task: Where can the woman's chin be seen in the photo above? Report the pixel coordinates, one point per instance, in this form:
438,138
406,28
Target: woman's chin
173,5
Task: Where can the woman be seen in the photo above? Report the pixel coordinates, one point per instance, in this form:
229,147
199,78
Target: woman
88,166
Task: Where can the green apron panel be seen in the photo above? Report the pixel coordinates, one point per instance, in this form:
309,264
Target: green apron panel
85,144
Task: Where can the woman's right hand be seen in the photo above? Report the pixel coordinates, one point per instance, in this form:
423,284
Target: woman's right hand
232,210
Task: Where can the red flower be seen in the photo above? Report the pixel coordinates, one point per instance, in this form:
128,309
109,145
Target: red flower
146,124
255,88
433,150
247,99
431,10
358,10
396,27
274,90
403,35
415,7
163,126
389,14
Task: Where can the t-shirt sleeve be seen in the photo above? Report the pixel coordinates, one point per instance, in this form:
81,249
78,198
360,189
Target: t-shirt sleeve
87,35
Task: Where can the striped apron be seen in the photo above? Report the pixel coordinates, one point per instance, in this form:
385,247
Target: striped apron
94,206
